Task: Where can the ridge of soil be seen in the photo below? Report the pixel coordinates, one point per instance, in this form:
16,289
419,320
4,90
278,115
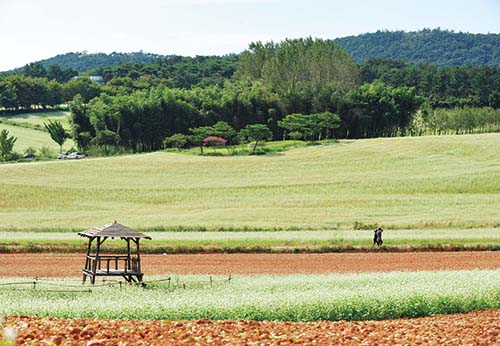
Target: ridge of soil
62,247
474,328
70,265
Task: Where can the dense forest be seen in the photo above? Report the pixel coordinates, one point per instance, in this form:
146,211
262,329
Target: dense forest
447,87
302,89
83,61
172,71
437,47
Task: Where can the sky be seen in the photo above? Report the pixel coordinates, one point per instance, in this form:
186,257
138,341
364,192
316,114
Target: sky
32,30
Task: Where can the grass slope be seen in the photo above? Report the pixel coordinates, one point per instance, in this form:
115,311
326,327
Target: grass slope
283,241
29,130
419,182
37,119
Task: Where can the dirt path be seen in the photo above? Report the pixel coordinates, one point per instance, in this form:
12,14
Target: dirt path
475,328
57,265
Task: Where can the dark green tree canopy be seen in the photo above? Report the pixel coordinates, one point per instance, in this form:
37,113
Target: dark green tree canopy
177,140
6,145
295,65
310,126
198,134
57,132
255,133
377,110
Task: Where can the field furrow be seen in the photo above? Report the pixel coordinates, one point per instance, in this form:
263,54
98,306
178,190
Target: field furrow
475,328
70,265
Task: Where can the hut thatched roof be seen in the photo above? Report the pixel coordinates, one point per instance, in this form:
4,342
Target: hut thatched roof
112,230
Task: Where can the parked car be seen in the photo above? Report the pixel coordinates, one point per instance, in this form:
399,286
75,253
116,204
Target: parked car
29,156
74,155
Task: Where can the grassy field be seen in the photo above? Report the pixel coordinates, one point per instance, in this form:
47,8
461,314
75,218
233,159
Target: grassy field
400,183
289,298
29,130
36,120
283,241
267,148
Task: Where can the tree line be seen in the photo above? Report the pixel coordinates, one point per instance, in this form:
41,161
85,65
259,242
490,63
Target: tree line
172,71
293,88
290,87
23,93
446,87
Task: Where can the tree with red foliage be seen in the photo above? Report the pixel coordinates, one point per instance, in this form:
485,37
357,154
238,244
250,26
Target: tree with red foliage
214,141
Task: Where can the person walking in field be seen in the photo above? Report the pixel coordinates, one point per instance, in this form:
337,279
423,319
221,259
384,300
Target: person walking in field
377,238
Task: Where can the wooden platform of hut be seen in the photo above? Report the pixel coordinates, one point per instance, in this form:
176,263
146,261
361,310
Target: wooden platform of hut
127,265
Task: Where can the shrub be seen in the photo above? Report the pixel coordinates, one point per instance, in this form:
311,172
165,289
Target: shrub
46,152
177,140
214,141
30,150
99,150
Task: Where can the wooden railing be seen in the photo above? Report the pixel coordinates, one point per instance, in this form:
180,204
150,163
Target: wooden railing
109,264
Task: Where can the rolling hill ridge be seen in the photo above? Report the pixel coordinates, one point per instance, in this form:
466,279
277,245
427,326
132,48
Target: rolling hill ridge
436,46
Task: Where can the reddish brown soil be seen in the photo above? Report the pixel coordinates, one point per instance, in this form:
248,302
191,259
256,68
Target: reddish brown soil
475,328
61,265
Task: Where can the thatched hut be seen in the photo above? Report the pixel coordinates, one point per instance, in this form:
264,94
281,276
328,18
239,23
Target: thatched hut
127,266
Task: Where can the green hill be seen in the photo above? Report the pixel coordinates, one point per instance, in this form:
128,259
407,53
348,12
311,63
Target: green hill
437,47
29,130
410,182
83,61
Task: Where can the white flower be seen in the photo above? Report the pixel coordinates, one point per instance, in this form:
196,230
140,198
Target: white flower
10,334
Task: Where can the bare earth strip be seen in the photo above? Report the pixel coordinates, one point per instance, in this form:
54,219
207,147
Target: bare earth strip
59,265
475,328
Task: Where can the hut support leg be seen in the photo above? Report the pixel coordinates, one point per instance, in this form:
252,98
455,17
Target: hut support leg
87,260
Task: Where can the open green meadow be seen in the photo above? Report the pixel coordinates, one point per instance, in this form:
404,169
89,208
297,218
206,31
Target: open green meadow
29,130
277,298
258,241
399,183
36,120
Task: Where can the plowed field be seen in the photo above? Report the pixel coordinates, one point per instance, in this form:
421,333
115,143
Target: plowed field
475,328
57,265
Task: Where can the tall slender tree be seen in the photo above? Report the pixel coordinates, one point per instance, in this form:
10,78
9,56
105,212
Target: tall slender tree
57,132
6,145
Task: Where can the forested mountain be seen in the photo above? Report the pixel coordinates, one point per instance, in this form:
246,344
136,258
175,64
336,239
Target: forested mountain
437,47
83,61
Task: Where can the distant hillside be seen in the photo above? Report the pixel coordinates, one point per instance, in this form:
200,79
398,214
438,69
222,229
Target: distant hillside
437,47
83,61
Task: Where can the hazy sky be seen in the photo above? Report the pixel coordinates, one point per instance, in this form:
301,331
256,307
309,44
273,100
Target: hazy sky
31,30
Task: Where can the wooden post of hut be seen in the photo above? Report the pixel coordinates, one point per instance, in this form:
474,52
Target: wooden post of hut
127,266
